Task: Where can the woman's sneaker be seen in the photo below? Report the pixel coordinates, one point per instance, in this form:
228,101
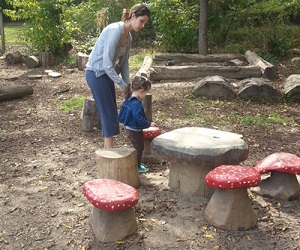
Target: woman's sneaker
142,169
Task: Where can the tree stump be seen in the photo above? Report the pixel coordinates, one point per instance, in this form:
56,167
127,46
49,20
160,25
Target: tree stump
32,62
147,104
46,59
13,58
118,164
89,115
16,91
82,59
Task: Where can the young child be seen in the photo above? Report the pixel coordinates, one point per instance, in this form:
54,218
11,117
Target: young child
133,117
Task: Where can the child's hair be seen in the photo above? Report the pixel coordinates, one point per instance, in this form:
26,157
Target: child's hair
137,9
138,82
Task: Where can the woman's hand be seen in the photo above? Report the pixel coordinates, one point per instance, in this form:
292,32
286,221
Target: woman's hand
153,124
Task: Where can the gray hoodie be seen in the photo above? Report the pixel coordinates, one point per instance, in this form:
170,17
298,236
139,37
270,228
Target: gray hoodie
104,56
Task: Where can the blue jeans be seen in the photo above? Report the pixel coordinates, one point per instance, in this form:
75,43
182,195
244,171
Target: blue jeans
104,93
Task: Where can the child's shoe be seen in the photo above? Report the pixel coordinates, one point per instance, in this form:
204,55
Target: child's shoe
142,169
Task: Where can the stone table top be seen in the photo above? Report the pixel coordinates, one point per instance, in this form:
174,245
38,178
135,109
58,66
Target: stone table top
199,145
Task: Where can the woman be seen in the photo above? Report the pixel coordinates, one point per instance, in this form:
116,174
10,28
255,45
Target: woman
109,59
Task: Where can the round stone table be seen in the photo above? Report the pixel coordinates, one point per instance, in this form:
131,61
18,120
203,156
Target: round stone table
193,152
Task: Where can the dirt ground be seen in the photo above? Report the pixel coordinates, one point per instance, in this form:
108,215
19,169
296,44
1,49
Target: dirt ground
45,157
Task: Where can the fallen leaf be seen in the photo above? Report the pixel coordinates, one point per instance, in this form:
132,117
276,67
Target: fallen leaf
278,205
209,236
66,226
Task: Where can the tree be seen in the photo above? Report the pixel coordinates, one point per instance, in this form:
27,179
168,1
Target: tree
203,28
47,30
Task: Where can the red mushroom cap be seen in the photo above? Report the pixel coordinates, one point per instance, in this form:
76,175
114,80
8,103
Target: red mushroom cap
151,132
280,162
232,176
110,195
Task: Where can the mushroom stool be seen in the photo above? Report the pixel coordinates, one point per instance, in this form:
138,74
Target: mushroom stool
149,134
282,182
112,216
230,207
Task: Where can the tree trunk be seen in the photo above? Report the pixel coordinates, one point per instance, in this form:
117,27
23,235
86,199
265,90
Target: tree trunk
268,70
2,31
194,72
15,91
13,58
203,28
118,164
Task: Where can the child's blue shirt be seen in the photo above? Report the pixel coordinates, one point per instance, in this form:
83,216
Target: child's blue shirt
132,114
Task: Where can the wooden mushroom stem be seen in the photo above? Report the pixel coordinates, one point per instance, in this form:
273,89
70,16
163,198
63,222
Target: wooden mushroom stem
231,209
112,226
279,185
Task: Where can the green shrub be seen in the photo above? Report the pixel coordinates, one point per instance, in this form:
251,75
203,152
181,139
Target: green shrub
46,30
176,25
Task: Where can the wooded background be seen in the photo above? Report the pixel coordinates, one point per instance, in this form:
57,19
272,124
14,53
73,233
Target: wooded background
269,27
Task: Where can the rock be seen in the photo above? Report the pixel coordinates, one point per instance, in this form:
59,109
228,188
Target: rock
54,74
32,77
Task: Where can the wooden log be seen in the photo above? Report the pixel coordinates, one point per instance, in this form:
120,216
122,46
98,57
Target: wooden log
46,59
118,164
145,72
268,70
194,72
82,59
145,68
89,115
180,58
13,58
32,62
15,91
147,104
291,86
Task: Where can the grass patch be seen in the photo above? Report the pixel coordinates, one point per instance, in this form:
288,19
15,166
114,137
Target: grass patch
14,34
136,60
74,103
266,120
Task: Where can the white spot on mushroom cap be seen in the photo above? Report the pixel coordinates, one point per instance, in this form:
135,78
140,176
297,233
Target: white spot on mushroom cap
280,162
232,176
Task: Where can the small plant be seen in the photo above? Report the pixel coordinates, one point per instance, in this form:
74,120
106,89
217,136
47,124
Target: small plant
74,103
